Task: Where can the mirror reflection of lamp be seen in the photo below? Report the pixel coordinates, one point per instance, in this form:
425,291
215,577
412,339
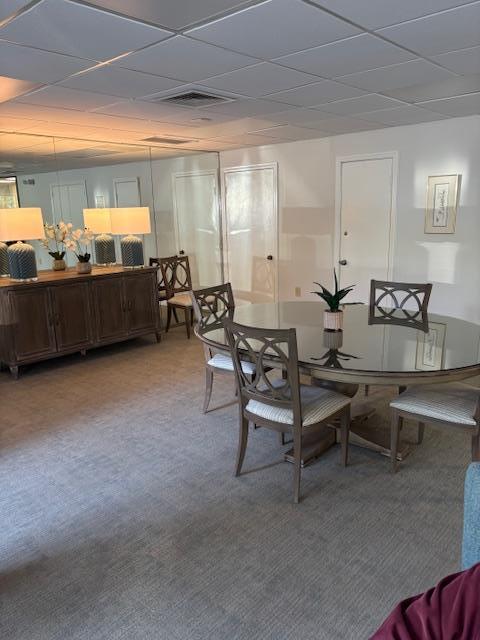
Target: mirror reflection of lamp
131,221
17,225
98,221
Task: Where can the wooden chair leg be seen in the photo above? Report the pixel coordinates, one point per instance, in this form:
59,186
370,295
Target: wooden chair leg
297,463
169,317
476,446
242,442
420,432
208,388
191,317
396,425
175,315
344,434
187,321
367,389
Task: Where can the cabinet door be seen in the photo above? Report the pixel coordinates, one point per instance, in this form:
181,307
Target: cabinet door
110,309
34,333
141,299
72,315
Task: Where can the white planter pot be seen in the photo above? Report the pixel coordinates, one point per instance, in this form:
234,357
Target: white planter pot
333,320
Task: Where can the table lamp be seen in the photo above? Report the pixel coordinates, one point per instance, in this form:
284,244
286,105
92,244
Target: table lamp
18,224
98,222
130,221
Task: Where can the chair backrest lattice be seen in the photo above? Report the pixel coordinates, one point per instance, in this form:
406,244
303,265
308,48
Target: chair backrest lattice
176,274
399,303
212,304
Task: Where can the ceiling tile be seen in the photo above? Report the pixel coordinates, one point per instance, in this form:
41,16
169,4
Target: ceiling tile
119,82
370,102
274,28
460,106
8,123
78,30
259,80
243,125
9,8
408,114
152,111
374,14
341,125
316,93
455,86
464,61
65,98
11,88
454,29
249,139
291,132
397,76
347,56
247,108
185,59
173,14
37,66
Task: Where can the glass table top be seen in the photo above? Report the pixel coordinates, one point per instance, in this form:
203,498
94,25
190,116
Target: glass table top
449,344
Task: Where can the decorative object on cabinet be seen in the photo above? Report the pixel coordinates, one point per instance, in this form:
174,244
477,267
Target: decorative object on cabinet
442,200
65,313
78,241
131,221
19,224
57,234
4,272
98,222
333,318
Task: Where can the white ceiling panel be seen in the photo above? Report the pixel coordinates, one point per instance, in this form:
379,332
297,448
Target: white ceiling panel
455,86
341,125
64,98
291,132
249,139
370,102
259,80
464,61
11,88
78,30
374,14
300,117
7,123
397,76
243,125
119,82
185,59
347,56
247,108
460,106
454,29
409,114
9,8
316,93
37,66
274,28
173,14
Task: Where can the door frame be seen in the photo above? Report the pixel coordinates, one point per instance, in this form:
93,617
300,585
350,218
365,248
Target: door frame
383,155
135,179
203,172
240,169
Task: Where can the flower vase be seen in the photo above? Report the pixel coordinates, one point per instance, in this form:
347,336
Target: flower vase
333,320
59,265
84,267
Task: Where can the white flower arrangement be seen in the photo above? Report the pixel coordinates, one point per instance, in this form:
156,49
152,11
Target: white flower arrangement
78,241
58,234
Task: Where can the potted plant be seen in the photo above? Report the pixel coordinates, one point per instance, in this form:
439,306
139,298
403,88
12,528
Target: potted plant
333,317
78,241
57,235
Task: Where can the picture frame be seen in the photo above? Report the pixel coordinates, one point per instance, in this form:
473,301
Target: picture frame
430,354
100,202
442,201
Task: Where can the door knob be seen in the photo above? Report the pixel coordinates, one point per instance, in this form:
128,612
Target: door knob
342,262
181,252
269,257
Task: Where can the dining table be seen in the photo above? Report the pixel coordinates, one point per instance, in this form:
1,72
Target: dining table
397,351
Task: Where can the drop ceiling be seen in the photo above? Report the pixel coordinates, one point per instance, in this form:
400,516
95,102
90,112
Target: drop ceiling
291,69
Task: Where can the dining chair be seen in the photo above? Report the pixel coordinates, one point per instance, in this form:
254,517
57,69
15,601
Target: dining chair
161,289
447,405
210,306
400,303
281,404
177,279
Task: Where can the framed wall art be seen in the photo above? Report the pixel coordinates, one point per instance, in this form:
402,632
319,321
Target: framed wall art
431,348
442,199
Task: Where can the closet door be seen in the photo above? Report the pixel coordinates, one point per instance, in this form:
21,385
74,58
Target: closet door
197,220
251,231
68,203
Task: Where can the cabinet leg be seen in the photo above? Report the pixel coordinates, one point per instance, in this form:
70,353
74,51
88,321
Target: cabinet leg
83,352
158,336
14,372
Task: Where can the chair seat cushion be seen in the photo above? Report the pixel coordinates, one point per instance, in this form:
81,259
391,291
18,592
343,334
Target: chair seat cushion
221,361
317,404
180,300
454,403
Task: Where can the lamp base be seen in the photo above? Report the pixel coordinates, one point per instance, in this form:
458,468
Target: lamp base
132,252
4,272
21,262
105,250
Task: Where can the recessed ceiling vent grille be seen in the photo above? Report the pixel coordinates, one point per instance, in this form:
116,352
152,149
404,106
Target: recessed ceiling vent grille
159,140
192,99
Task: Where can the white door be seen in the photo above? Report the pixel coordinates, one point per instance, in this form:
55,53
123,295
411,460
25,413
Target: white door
127,192
197,218
365,222
68,203
251,231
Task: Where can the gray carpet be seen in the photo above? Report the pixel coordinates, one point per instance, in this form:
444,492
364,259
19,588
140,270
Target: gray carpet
120,518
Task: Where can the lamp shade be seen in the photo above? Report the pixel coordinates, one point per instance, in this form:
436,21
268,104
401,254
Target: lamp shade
24,223
97,220
127,220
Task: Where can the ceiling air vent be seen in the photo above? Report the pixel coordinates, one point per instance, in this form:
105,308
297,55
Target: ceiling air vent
192,99
159,140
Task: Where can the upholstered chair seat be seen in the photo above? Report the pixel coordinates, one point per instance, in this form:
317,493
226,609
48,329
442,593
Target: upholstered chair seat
450,403
224,362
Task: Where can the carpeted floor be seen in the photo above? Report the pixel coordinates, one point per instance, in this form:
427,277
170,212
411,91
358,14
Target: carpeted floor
121,520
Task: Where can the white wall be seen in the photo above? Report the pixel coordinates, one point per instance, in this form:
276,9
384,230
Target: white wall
307,203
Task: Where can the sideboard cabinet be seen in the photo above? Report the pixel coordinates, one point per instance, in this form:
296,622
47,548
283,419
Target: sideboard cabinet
64,312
